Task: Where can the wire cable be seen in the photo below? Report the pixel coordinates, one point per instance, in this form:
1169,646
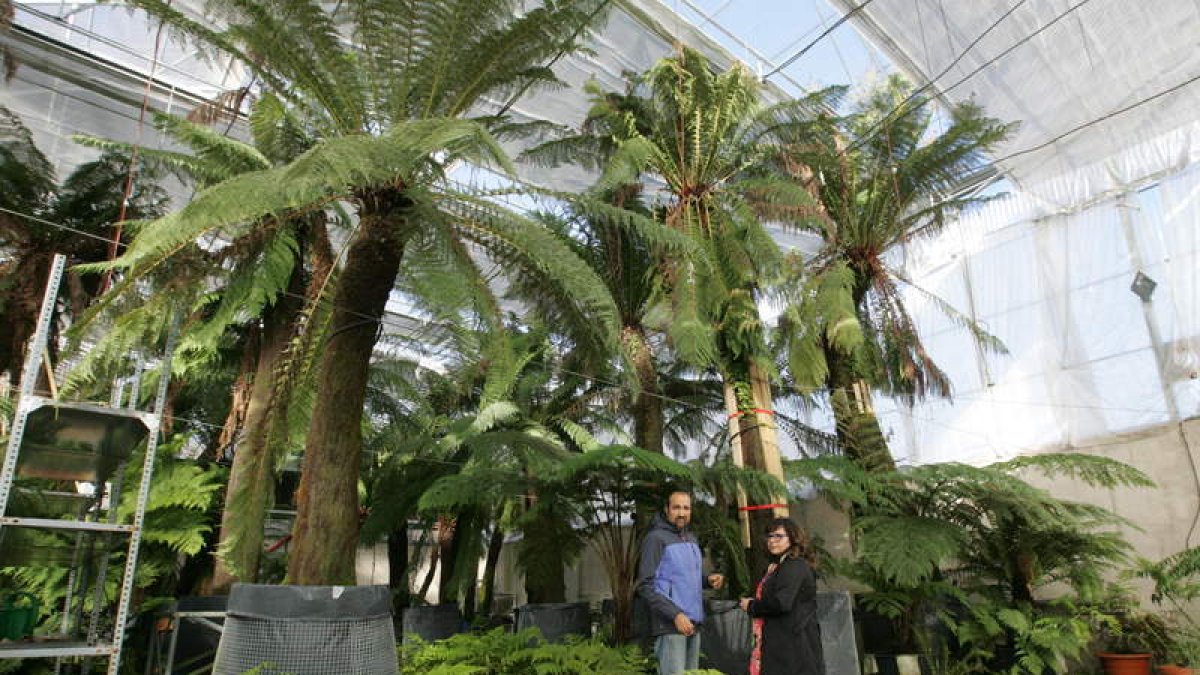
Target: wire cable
813,43
891,116
929,83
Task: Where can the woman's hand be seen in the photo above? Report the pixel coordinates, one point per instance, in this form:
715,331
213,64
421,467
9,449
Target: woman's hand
745,604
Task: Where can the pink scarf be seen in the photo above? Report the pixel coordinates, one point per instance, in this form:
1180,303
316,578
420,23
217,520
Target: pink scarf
756,655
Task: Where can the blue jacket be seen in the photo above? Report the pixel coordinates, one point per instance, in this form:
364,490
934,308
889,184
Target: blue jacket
670,578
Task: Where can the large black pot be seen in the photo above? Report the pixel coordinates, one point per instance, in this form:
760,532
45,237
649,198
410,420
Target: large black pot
556,620
837,633
726,638
308,630
430,623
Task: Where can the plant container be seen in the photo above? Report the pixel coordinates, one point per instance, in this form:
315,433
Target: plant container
1125,664
430,623
18,615
1175,670
308,630
556,620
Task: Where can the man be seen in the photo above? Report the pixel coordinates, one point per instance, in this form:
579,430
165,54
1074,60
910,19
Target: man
670,580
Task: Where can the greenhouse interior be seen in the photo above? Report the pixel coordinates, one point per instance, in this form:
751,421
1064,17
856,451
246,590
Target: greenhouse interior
503,337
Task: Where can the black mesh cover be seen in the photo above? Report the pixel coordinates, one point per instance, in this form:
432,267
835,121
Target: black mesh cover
308,630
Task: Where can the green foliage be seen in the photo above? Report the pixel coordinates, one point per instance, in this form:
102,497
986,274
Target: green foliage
705,135
982,539
176,521
1176,577
881,178
820,311
498,652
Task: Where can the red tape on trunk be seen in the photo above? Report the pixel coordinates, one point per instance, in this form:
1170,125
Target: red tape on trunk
761,507
761,411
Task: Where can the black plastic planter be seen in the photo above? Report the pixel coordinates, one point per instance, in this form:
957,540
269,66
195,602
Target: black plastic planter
837,633
555,620
308,630
726,638
430,623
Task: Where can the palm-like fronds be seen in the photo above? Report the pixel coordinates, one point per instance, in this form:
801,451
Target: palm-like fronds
883,181
389,106
985,525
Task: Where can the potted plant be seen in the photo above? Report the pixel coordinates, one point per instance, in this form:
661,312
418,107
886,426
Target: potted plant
1175,582
1184,649
1133,641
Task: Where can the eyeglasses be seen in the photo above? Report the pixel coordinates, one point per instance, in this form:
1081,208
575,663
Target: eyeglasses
777,536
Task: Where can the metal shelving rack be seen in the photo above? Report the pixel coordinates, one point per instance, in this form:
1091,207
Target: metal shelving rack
45,442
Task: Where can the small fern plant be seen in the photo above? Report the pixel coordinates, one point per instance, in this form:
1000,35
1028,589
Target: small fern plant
499,652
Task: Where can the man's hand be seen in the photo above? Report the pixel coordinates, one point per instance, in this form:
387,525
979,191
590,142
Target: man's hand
716,581
684,624
745,603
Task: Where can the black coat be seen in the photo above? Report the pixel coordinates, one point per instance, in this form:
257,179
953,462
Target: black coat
791,636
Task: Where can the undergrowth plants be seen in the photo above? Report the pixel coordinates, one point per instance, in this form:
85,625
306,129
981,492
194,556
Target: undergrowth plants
498,652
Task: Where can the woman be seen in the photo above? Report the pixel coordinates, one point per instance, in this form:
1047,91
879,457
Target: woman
787,638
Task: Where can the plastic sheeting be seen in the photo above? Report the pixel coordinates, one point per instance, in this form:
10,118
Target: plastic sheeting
1047,270
1086,79
101,95
1087,357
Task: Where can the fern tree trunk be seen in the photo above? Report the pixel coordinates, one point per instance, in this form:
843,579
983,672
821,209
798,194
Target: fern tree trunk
252,476
325,535
647,407
858,431
757,436
19,307
397,546
544,558
492,562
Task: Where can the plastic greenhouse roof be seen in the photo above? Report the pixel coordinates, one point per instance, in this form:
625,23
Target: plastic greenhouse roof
1086,78
1105,164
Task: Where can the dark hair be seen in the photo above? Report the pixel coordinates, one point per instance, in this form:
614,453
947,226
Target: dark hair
801,545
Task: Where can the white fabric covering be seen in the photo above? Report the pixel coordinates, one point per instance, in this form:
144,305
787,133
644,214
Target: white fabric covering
1087,357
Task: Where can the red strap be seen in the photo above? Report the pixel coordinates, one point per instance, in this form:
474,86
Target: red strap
277,545
761,507
760,411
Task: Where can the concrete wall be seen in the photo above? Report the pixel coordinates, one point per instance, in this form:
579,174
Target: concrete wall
1166,517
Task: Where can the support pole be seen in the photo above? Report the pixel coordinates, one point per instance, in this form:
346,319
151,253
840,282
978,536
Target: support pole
139,514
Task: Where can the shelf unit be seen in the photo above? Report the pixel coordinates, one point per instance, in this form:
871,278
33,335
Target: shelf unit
69,441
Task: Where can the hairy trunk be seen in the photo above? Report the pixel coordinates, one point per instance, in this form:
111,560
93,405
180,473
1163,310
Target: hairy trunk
434,556
541,588
251,487
19,308
859,434
448,541
468,603
239,401
397,547
753,423
495,546
325,534
543,556
1023,565
647,407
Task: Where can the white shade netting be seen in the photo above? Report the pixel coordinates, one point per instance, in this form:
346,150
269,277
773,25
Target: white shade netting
1087,357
